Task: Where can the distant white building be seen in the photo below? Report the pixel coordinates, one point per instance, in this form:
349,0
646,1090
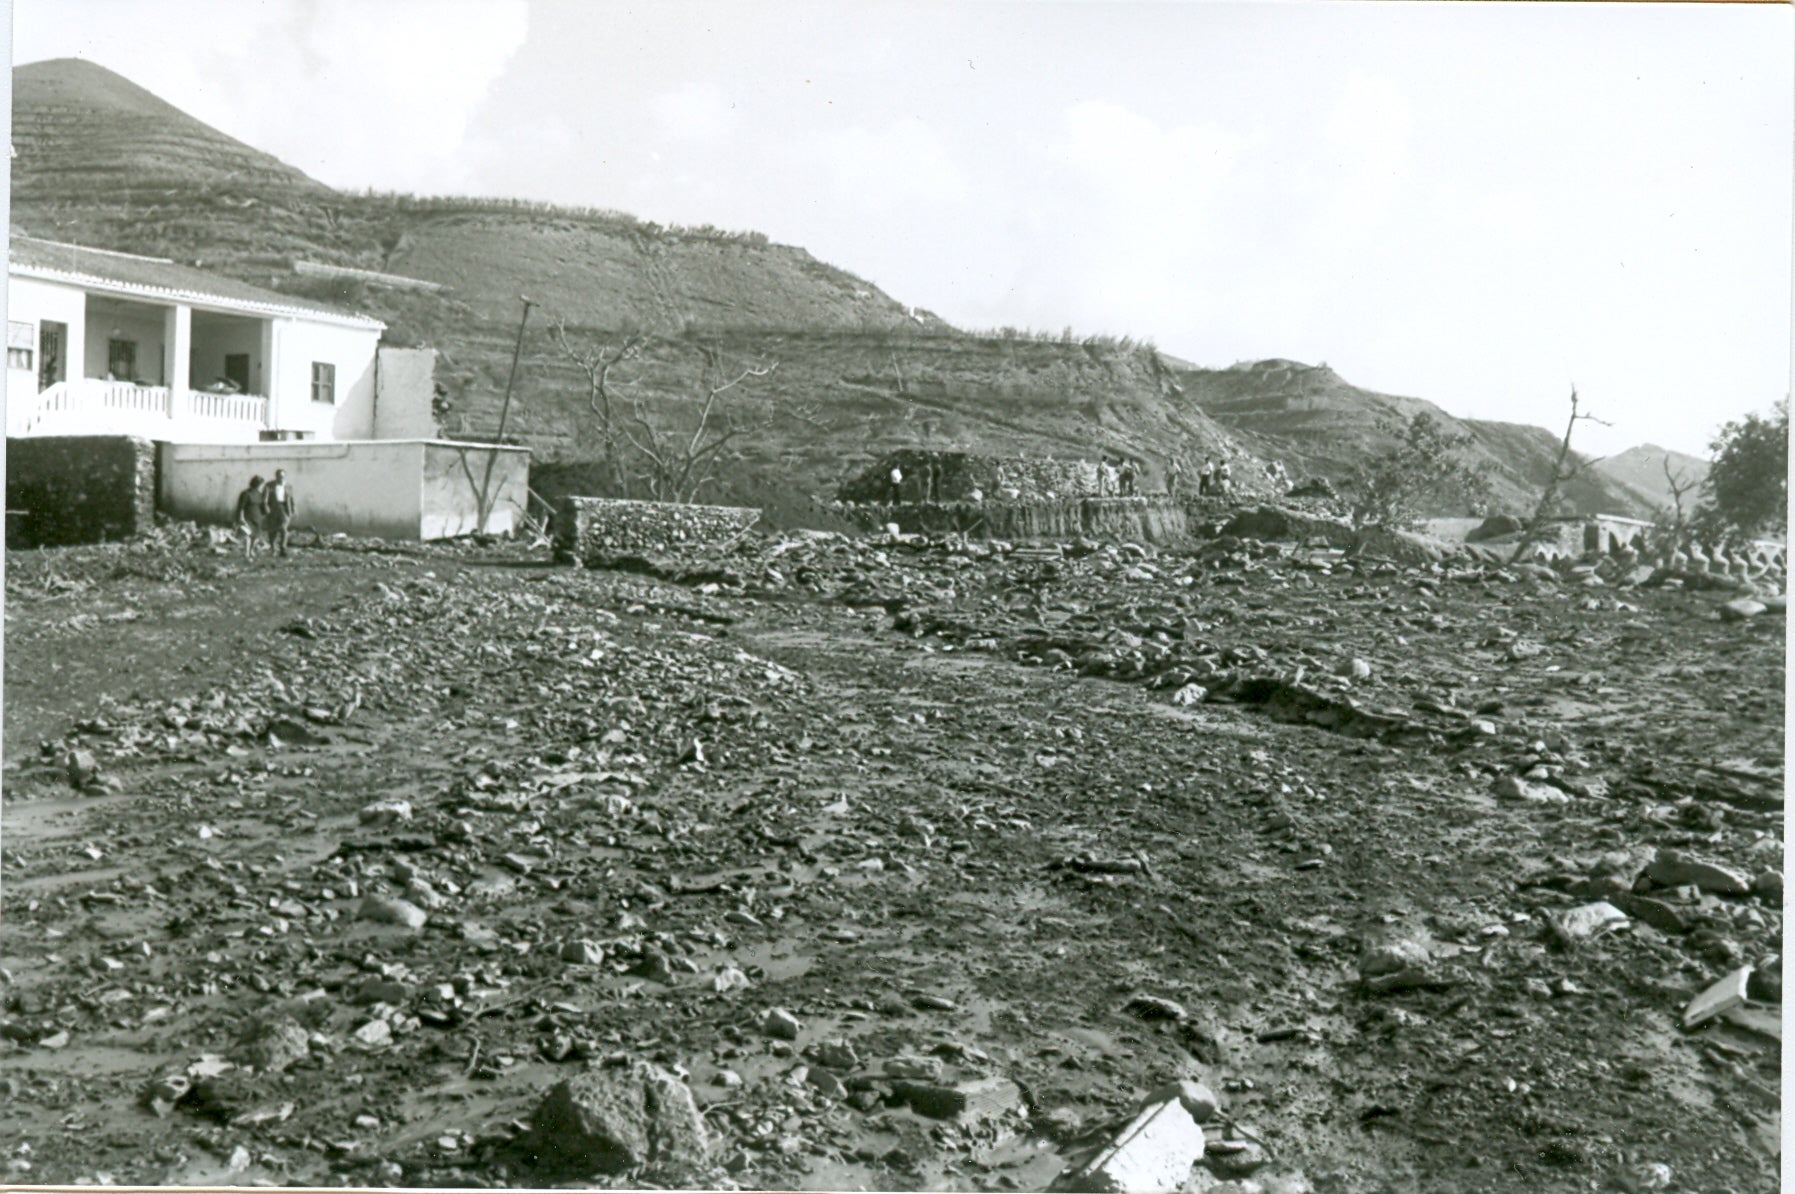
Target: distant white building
105,343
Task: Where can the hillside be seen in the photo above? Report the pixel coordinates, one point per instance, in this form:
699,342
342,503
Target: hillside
1320,424
1640,471
103,162
78,128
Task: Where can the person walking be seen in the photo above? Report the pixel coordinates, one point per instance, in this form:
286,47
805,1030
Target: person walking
252,515
896,489
1128,475
1205,478
1174,477
280,508
1224,478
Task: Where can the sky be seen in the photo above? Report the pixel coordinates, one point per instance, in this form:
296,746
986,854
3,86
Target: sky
1481,204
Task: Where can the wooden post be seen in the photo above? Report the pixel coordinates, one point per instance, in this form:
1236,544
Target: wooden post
484,502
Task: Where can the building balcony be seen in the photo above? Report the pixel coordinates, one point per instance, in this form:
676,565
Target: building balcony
94,406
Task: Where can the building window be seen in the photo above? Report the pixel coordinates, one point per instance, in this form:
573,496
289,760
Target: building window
324,382
121,359
19,338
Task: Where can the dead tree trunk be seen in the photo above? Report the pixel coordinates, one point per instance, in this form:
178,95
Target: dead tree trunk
1564,469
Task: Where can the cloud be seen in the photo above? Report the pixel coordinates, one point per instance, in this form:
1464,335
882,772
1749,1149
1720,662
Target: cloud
1366,152
354,93
397,84
696,112
1158,184
905,162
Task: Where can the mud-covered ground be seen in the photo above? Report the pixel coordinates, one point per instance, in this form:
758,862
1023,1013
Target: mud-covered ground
954,811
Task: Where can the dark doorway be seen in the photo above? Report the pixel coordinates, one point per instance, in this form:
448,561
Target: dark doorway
236,370
121,360
52,345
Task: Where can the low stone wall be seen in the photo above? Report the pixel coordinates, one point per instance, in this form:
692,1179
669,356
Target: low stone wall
950,477
79,489
589,528
1156,520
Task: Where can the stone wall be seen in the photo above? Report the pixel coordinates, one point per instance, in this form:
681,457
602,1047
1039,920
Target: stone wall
948,477
1155,520
79,489
589,528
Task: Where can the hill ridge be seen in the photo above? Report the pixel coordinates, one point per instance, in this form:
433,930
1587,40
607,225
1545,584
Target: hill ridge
102,161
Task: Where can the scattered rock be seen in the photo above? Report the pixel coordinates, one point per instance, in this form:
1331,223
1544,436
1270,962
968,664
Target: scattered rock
163,1093
1657,913
1672,869
385,812
1235,1158
389,911
1151,1007
1197,1098
614,1121
1513,787
1154,1152
1769,885
1588,921
1766,983
1740,609
967,1102
582,953
374,1034
274,1044
81,768
927,1069
1718,999
781,1025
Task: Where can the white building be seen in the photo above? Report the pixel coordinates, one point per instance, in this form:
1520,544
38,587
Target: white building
225,377
105,343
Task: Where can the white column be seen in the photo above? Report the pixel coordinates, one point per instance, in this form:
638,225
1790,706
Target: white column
271,382
177,342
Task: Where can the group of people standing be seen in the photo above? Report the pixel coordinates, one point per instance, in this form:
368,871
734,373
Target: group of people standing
1118,478
265,509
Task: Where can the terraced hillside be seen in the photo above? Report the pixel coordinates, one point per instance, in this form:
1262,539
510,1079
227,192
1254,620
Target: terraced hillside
79,128
103,162
1319,423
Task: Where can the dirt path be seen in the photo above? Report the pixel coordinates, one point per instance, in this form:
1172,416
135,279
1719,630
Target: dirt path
749,802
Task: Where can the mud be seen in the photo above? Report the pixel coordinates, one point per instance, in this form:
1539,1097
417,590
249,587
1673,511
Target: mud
856,782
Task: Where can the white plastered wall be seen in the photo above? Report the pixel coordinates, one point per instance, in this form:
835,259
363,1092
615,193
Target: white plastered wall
366,488
297,344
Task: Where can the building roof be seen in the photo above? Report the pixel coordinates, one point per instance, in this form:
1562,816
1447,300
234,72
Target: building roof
159,278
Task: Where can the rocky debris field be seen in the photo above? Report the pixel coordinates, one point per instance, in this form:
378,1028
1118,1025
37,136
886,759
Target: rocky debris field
836,863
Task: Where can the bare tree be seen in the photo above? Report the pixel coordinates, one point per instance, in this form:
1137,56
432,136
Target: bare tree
597,366
676,462
1565,468
1679,486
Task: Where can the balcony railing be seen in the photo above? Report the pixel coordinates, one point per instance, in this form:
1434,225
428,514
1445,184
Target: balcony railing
92,406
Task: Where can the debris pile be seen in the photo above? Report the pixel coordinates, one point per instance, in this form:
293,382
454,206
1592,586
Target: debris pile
896,862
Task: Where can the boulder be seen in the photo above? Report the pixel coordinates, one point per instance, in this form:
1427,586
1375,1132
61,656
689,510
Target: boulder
1154,1152
1587,921
1494,527
1672,869
389,911
616,1120
1740,609
274,1044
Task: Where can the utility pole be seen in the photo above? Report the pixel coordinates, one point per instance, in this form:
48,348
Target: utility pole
485,497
